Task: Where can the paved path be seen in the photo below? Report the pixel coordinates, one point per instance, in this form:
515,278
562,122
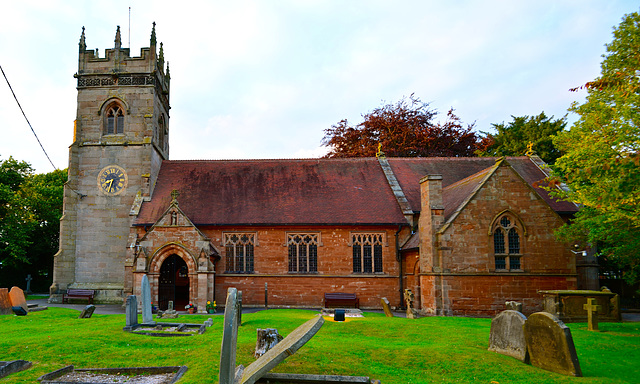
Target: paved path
111,309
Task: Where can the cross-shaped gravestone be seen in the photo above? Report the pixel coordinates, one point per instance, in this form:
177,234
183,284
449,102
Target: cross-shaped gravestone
29,278
592,313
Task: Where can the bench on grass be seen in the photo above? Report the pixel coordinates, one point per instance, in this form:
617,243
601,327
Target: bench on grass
78,294
341,300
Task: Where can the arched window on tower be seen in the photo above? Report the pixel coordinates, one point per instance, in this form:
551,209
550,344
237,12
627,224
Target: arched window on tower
161,132
114,120
506,243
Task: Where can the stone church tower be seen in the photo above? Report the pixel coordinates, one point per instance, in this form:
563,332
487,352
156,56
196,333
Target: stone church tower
121,136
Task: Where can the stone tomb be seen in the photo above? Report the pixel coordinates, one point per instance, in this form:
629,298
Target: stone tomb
156,375
230,374
550,344
157,329
5,302
568,306
507,335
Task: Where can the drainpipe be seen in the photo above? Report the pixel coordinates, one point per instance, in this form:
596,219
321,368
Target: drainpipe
399,259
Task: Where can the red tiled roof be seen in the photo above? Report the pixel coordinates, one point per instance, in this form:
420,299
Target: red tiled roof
318,191
260,192
409,171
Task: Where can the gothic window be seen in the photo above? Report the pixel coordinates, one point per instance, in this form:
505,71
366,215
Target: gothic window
367,252
506,244
162,133
114,120
239,251
303,252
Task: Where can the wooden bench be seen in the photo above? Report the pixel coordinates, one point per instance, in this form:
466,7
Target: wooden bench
340,300
78,294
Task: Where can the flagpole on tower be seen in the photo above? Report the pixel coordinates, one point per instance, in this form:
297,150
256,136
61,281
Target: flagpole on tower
129,27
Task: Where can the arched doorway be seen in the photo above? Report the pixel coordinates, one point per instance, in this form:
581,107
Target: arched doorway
173,284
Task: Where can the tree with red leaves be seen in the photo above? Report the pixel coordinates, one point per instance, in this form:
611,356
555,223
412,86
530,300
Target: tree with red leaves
405,129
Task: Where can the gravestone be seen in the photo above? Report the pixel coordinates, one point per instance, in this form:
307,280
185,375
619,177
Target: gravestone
338,315
592,313
239,307
87,312
147,316
28,279
265,340
550,344
131,313
408,299
9,367
19,311
170,313
513,306
507,335
5,302
229,339
16,295
287,347
386,307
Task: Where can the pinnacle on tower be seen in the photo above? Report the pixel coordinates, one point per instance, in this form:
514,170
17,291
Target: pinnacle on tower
167,75
161,57
153,35
82,44
117,40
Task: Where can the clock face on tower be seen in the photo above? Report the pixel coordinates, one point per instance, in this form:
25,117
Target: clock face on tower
112,180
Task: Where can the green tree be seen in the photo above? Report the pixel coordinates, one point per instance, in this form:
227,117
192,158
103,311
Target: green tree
30,210
602,155
405,129
513,139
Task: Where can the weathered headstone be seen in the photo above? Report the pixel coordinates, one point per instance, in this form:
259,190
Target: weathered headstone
550,344
408,299
5,302
229,339
131,312
265,340
16,295
592,313
282,350
147,315
239,307
513,306
9,367
87,312
507,335
338,315
386,307
170,313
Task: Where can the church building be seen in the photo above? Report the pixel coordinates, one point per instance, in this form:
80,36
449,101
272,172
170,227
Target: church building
464,234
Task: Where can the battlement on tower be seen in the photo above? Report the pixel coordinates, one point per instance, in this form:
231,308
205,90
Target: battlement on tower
118,68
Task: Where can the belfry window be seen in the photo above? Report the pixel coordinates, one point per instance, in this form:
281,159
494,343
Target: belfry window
506,244
367,252
114,120
239,251
303,252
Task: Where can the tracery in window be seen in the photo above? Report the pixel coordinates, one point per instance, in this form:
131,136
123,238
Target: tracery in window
367,252
239,249
506,244
114,120
303,252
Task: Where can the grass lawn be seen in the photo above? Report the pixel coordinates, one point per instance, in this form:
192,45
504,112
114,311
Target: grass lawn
393,350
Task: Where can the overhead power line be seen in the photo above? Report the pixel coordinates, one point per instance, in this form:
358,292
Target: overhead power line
25,117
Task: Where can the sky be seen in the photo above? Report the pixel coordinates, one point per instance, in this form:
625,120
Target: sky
264,79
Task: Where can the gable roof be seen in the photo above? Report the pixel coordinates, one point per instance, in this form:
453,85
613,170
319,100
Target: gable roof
454,169
351,191
276,192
